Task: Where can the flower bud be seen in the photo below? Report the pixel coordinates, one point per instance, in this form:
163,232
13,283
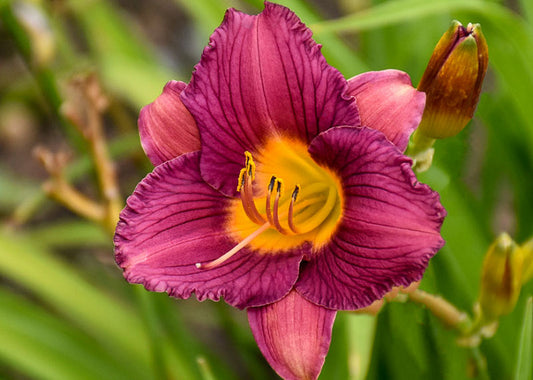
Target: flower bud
452,80
501,278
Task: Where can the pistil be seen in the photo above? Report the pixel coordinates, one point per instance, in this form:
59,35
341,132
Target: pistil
226,256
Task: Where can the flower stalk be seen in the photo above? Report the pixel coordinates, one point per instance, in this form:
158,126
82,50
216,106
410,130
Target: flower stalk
58,188
447,313
84,109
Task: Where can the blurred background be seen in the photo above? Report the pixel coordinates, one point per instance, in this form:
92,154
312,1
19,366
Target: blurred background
66,311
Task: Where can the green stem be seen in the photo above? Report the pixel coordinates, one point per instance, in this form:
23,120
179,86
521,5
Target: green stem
421,151
420,143
481,363
443,310
205,370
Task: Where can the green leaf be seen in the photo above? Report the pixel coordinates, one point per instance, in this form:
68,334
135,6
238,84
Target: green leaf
337,361
524,365
14,189
396,11
63,288
411,343
126,61
361,329
41,345
527,9
70,233
206,14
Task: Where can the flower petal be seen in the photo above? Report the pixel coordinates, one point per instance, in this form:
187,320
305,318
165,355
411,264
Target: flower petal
389,227
388,102
261,76
294,335
174,220
166,127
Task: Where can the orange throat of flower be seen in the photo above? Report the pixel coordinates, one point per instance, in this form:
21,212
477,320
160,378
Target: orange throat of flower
286,200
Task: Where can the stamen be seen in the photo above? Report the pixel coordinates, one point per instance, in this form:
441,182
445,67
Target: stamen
268,208
245,187
290,217
250,164
242,179
234,250
279,189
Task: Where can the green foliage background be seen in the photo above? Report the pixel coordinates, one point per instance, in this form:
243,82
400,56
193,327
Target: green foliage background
67,313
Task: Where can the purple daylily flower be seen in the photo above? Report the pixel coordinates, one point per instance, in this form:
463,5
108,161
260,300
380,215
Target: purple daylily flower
281,187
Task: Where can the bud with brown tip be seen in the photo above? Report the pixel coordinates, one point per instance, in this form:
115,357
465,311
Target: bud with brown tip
452,81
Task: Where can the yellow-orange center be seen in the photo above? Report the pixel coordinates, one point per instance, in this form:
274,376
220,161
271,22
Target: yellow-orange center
293,199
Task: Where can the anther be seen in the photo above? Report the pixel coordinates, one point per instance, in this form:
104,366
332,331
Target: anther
271,184
295,192
250,165
246,176
290,217
268,208
279,189
241,180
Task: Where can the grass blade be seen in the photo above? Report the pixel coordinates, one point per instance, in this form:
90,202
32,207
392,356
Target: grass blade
524,365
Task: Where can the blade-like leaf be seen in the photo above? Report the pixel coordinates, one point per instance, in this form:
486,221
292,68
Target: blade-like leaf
39,344
524,366
64,289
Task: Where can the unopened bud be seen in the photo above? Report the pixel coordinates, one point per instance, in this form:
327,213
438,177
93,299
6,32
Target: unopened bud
452,80
501,278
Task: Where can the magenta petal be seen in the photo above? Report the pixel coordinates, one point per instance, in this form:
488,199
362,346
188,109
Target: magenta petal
261,76
388,102
389,228
166,127
294,335
174,220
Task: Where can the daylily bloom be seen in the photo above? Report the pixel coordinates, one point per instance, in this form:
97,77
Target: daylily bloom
281,187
